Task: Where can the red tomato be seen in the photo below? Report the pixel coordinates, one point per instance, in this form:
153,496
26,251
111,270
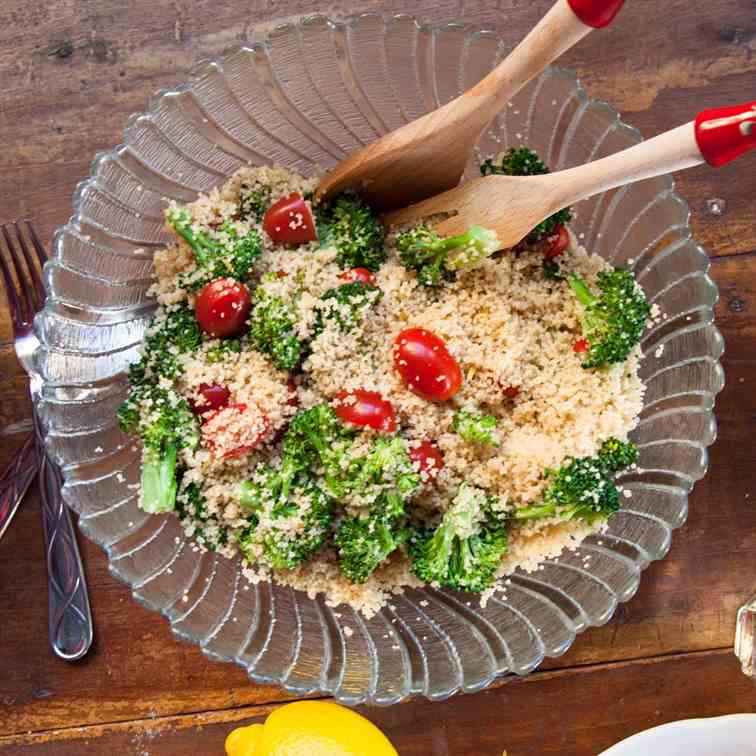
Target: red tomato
234,430
557,242
581,345
360,275
426,365
428,458
213,397
281,274
222,307
368,408
511,391
290,221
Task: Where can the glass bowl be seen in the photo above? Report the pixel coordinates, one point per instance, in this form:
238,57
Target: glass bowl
304,96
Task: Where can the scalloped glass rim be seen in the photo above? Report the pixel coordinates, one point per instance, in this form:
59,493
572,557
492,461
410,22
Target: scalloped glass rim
373,72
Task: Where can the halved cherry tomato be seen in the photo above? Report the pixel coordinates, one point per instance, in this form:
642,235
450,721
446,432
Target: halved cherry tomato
213,397
235,430
558,242
426,365
511,391
290,220
429,459
222,307
581,345
358,275
367,408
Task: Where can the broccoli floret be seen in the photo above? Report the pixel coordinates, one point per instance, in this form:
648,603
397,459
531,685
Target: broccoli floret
552,271
298,519
219,253
465,550
271,329
317,435
617,455
177,333
583,488
222,349
612,323
385,477
166,424
475,428
254,200
522,161
347,305
363,543
349,225
436,259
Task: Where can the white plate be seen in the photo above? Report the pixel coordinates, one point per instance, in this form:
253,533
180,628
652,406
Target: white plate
733,735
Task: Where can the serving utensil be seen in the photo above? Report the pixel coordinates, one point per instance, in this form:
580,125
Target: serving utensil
428,155
70,618
513,205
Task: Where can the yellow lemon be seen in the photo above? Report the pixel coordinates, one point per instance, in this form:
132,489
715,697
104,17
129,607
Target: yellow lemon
310,728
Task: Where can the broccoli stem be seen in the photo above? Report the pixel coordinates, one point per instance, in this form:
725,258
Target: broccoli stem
535,512
198,242
584,295
159,484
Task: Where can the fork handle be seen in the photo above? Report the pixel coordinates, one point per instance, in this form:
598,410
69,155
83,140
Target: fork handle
70,618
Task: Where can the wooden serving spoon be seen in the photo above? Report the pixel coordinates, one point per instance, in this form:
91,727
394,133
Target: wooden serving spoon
428,155
513,205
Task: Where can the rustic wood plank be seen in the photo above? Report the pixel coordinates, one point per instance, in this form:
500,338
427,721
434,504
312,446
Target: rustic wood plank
137,668
561,713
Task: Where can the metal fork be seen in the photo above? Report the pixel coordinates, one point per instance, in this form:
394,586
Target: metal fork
70,618
15,481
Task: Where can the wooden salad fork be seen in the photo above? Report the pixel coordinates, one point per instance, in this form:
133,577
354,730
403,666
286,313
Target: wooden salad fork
513,205
70,618
429,155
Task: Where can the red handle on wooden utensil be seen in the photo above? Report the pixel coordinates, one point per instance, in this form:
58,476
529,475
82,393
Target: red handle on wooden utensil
725,133
596,13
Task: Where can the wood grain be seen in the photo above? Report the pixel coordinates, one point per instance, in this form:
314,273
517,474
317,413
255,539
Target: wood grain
562,713
70,74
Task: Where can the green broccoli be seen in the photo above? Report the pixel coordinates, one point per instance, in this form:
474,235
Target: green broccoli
176,332
166,424
522,161
583,488
436,259
612,323
254,200
219,253
346,305
364,543
271,329
476,429
297,519
465,550
349,225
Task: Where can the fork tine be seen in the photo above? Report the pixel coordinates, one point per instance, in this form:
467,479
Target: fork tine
36,278
22,290
17,315
38,246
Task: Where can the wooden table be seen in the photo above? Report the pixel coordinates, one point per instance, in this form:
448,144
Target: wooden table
70,74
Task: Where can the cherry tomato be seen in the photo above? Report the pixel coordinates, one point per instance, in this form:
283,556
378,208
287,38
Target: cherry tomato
213,397
234,430
222,307
367,408
426,365
290,221
511,391
281,274
557,242
581,345
428,458
358,275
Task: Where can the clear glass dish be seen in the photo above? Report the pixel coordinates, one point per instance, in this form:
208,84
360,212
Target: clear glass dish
304,96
